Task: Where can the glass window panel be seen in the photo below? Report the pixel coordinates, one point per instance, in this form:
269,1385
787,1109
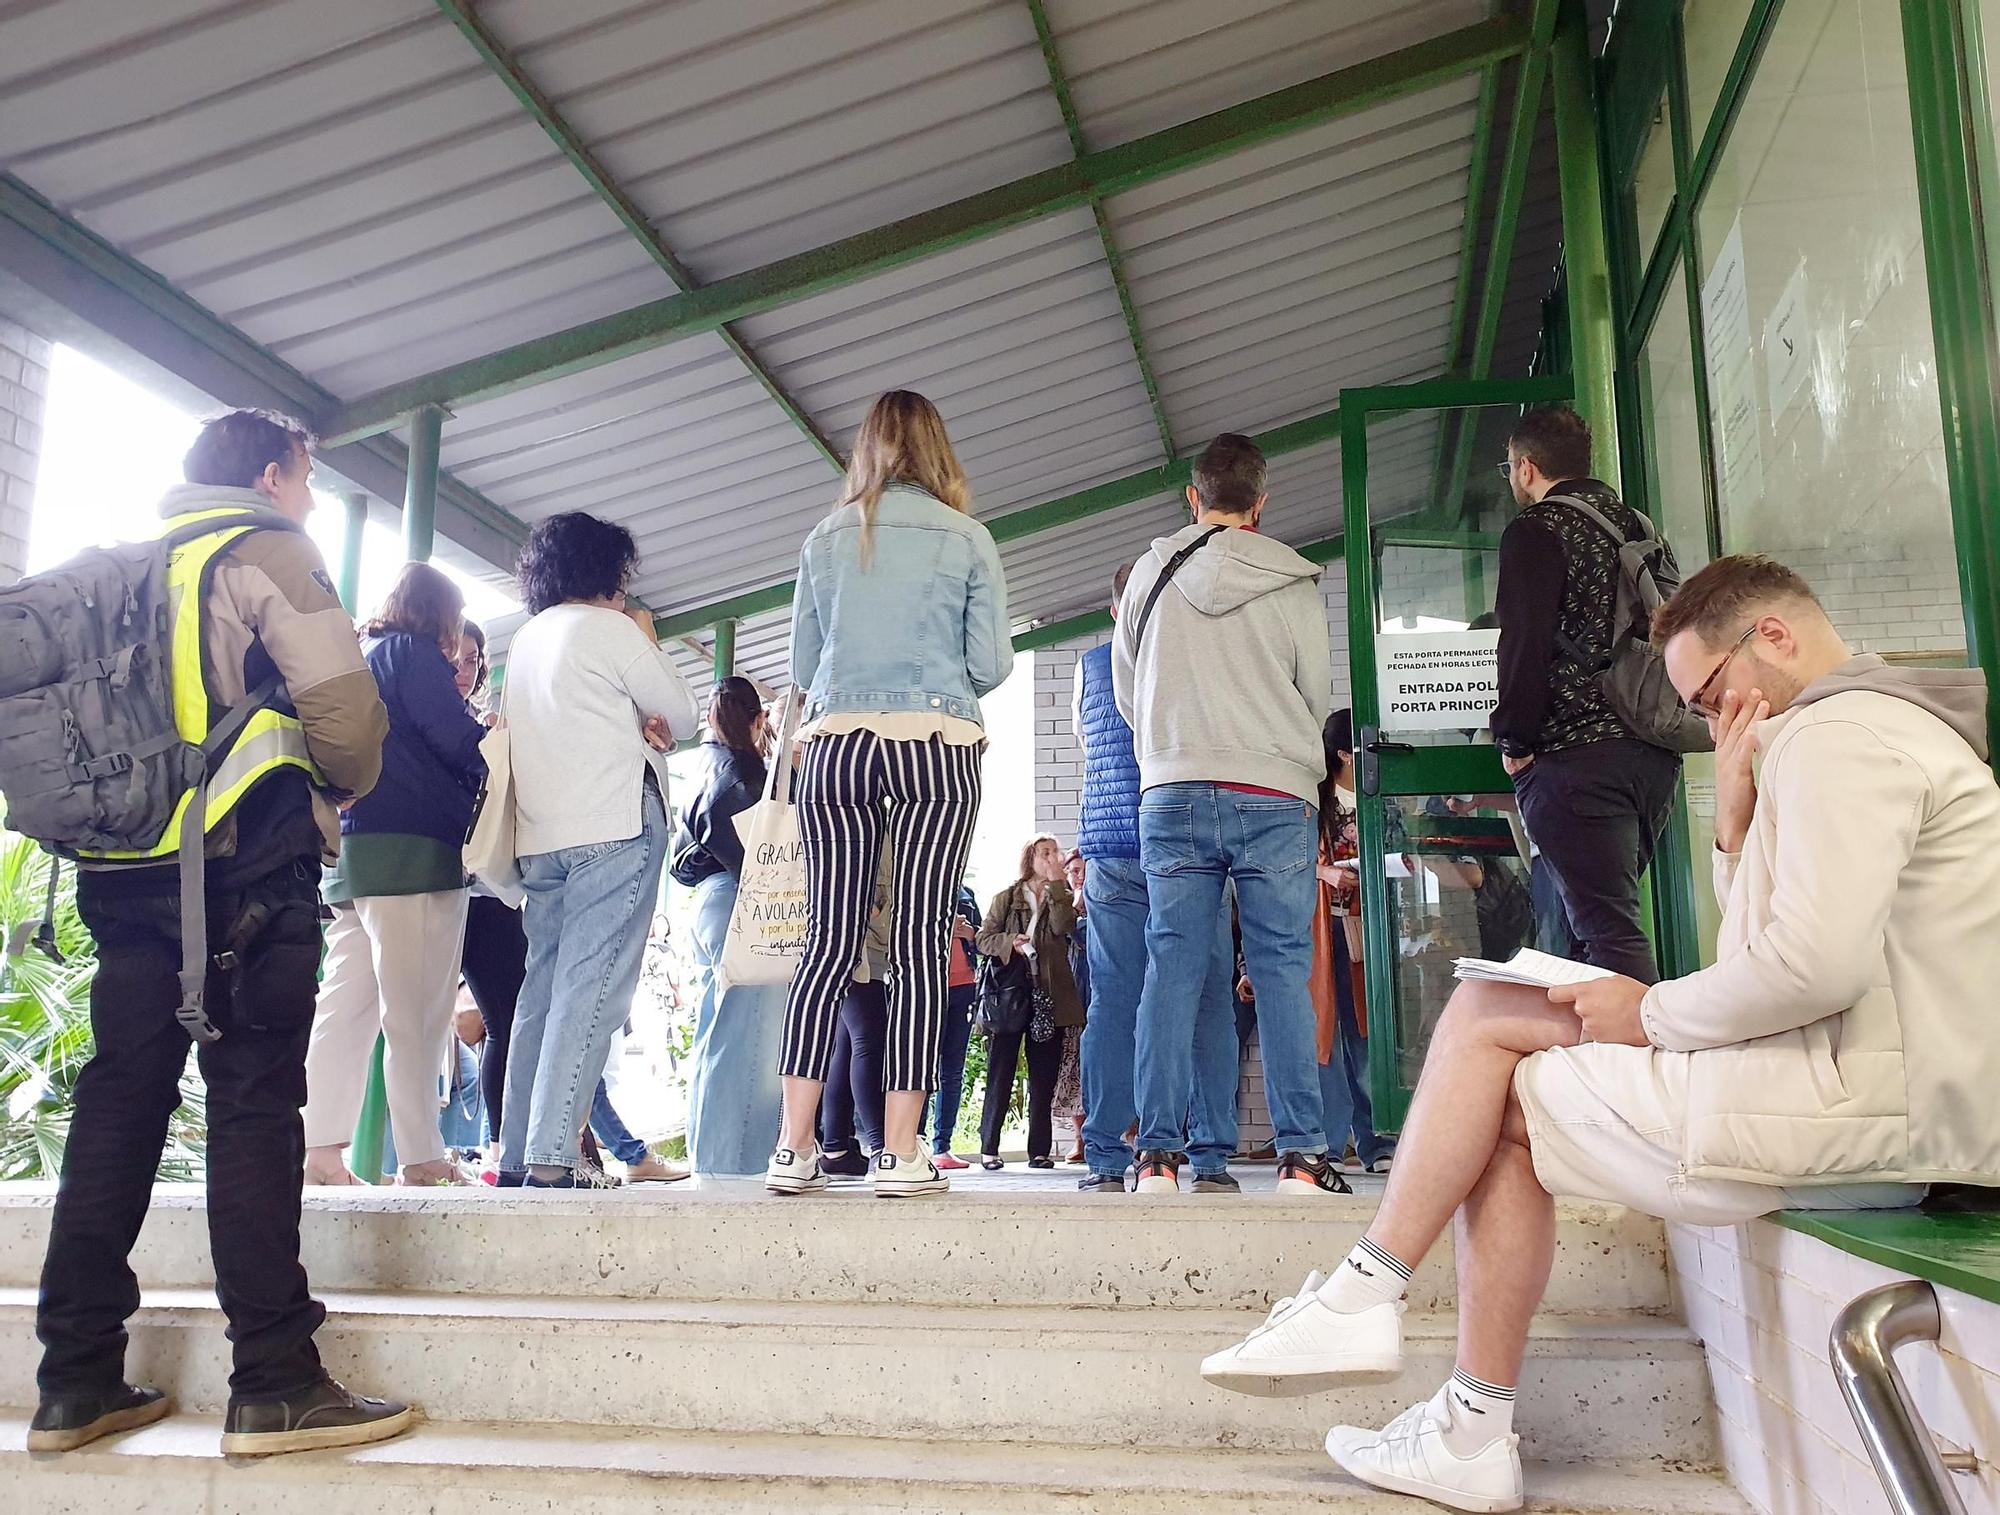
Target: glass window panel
1653,182
1710,31
1673,439
1822,385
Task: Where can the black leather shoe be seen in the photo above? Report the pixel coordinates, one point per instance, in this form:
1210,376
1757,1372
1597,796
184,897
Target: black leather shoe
64,1422
1104,1183
325,1415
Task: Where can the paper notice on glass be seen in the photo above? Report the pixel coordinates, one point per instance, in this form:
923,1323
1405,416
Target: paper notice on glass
1787,360
1537,970
1726,342
1438,680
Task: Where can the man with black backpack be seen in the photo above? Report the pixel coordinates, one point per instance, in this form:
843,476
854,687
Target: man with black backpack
1588,726
196,708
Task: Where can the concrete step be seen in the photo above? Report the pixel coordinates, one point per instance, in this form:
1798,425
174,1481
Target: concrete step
1608,1388
468,1469
732,1241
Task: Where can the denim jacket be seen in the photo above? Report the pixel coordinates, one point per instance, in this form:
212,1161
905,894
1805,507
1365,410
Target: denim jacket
922,629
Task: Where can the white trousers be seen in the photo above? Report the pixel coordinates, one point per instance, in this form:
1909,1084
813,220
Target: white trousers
392,963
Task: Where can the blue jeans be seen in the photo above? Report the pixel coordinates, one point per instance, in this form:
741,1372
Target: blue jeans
735,1102
588,913
1343,1077
611,1131
1115,897
951,1065
1193,838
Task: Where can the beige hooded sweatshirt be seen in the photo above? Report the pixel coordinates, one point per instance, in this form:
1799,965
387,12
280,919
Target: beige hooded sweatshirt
1850,1028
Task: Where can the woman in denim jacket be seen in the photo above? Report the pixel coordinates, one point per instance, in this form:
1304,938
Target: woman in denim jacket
899,625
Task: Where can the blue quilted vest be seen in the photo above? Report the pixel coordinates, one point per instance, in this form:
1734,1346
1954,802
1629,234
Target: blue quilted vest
1109,823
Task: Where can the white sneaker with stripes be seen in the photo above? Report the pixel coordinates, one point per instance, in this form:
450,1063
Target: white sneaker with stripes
1304,1347
907,1177
1410,1456
795,1172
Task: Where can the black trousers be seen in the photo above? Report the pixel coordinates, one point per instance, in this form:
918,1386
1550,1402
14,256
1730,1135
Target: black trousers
1597,812
494,964
853,1100
256,1078
1003,1056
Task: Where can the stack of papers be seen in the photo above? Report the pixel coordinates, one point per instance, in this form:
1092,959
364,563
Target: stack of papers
1538,970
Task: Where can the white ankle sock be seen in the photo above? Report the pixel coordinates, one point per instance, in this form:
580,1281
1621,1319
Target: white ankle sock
1480,1412
1368,1276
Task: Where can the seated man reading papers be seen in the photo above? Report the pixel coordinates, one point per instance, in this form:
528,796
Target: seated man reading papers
1840,1053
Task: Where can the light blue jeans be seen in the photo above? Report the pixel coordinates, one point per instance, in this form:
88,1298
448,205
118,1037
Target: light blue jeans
735,1102
588,913
1116,899
1193,838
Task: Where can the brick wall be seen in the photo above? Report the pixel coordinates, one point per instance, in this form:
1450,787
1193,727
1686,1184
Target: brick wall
1763,1299
24,387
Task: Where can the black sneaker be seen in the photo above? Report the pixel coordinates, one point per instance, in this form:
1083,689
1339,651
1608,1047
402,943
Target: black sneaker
1102,1183
325,1415
1309,1173
1222,1181
853,1163
1158,1172
64,1422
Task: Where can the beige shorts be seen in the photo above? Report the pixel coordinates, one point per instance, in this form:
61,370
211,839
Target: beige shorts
1607,1122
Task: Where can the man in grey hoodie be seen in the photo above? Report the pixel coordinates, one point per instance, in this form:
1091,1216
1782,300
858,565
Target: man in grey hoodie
1222,667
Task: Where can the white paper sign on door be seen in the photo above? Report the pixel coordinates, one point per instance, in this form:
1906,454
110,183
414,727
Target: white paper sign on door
1787,364
1438,680
1725,319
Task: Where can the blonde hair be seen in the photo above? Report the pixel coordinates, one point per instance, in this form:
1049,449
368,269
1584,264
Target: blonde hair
902,441
1028,854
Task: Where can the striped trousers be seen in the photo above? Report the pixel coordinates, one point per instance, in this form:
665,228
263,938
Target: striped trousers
856,792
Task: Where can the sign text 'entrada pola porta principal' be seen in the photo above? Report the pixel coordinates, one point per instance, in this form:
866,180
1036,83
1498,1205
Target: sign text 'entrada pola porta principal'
1438,680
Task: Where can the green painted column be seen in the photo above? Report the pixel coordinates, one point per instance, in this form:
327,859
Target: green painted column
725,649
420,495
354,521
1593,331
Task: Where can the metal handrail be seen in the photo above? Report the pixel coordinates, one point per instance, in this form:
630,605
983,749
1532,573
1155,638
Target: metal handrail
1865,1337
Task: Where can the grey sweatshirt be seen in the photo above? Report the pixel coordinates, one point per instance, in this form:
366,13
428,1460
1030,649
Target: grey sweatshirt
1235,677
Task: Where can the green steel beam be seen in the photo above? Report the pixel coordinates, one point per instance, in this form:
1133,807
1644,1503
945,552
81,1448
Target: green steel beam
1509,195
1958,267
1090,622
1309,431
420,495
354,521
87,281
500,59
1067,186
725,649
1713,134
1417,536
1593,331
1059,84
1461,296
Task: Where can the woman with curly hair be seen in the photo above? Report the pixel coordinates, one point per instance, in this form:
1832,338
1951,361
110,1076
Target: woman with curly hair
592,706
398,893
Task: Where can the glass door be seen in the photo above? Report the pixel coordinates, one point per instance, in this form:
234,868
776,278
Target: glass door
1446,870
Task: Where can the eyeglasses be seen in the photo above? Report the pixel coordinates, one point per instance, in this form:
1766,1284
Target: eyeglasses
1506,470
1698,701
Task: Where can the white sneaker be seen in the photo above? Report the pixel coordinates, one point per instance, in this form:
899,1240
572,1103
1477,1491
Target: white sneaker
1304,1347
1409,1456
902,1177
794,1172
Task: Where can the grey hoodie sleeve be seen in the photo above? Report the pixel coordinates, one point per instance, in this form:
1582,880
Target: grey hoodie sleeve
1315,649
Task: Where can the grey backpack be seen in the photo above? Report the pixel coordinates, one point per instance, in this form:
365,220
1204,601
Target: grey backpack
90,759
1634,678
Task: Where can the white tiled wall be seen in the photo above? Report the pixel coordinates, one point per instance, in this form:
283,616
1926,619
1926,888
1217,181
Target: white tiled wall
24,387
1763,1300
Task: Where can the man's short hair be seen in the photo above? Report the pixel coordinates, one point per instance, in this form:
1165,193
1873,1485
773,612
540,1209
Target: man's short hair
1717,603
234,449
1229,474
1119,581
1556,439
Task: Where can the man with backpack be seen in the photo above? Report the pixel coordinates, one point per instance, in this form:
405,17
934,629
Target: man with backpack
1221,665
198,708
1587,724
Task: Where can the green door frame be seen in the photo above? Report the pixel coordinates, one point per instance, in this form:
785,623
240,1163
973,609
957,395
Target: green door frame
1391,769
